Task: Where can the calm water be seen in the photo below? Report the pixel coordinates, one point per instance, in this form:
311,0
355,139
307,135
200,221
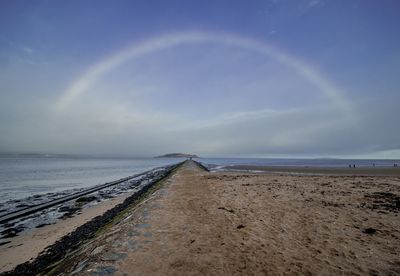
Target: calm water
22,176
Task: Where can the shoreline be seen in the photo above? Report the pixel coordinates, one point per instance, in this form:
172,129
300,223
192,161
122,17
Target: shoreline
19,216
47,245
358,171
28,245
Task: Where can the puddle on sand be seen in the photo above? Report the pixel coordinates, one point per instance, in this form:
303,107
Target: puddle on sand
147,235
132,233
146,213
142,225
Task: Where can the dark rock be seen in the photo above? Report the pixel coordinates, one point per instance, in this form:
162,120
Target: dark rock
43,225
11,232
23,205
9,224
240,226
65,209
382,201
225,209
85,199
5,242
369,231
69,211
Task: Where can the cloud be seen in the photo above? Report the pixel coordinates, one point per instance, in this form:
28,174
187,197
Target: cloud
110,128
314,3
102,127
107,119
27,49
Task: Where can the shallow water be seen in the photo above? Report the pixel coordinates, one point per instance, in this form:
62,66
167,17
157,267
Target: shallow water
216,163
22,176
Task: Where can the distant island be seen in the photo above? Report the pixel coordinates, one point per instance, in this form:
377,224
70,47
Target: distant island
177,155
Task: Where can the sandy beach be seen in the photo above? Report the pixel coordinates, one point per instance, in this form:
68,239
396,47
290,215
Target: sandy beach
254,224
360,171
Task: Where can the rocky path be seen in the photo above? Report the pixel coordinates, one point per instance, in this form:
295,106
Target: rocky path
159,236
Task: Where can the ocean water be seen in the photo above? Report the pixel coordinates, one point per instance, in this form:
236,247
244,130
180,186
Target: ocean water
328,162
26,175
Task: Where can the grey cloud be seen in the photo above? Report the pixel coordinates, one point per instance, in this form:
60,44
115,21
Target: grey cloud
104,128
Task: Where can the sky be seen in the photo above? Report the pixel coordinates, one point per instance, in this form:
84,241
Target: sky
271,78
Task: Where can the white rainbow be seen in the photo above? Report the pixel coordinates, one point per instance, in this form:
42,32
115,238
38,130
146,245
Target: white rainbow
94,73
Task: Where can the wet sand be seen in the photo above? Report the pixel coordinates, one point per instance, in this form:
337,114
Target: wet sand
253,224
373,171
29,244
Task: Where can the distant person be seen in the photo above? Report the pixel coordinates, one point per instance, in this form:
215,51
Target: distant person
350,166
354,165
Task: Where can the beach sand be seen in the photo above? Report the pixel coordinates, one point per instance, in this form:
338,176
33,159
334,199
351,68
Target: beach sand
254,224
361,171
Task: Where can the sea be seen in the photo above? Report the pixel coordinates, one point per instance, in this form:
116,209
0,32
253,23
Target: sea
24,175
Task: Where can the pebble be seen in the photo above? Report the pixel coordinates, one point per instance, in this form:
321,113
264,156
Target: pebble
79,267
97,250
